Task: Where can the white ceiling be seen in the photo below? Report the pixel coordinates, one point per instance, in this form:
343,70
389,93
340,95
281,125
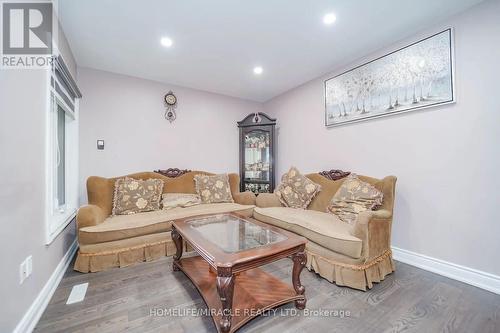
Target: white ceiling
217,43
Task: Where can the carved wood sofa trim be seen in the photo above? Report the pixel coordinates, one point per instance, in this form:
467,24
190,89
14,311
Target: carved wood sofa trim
334,174
172,172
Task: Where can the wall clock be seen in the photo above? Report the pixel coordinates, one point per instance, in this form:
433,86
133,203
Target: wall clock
170,105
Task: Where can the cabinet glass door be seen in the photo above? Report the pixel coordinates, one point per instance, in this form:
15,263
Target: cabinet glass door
257,161
257,146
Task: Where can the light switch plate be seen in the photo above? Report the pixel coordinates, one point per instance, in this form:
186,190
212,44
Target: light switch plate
100,144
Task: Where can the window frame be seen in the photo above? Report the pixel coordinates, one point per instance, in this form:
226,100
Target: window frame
58,218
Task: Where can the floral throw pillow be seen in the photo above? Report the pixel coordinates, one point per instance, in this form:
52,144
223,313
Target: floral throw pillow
296,190
135,195
213,189
353,197
173,200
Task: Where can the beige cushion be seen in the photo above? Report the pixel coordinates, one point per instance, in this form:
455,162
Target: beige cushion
127,226
173,200
322,228
213,189
133,196
353,197
296,190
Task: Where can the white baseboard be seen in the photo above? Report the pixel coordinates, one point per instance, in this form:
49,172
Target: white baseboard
464,274
31,317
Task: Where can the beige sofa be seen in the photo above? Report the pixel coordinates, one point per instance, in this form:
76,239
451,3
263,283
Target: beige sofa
116,241
354,256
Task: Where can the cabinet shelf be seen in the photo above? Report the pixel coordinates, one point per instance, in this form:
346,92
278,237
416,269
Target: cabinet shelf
256,181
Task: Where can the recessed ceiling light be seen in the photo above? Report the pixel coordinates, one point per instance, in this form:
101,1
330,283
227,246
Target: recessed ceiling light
167,42
329,18
257,70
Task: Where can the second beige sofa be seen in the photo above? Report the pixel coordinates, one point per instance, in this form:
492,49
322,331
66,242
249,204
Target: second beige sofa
354,256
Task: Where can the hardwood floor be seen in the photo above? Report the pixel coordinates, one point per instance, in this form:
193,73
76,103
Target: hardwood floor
409,300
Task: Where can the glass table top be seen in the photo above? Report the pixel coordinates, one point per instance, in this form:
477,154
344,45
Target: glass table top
233,234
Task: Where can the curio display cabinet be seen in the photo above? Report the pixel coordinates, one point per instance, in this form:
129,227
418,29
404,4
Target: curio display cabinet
257,149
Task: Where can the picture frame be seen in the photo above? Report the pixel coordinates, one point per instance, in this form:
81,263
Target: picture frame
417,76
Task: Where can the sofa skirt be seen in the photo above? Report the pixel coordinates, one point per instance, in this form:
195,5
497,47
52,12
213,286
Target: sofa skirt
336,268
349,272
123,253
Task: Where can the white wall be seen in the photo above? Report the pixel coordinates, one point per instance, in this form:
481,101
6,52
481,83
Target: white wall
128,113
23,98
446,158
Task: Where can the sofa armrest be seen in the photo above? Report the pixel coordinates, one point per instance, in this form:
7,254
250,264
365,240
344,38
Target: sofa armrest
265,200
244,198
89,215
373,227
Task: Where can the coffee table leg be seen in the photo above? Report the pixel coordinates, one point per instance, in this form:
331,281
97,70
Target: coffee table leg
225,288
299,261
177,238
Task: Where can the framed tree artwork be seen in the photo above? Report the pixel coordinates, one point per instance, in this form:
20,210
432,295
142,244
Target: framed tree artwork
417,76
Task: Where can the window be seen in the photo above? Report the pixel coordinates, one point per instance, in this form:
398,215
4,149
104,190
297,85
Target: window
61,157
62,150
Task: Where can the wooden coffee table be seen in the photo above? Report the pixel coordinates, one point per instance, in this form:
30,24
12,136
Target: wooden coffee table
231,248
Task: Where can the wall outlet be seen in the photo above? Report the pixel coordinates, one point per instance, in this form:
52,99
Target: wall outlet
22,272
29,265
25,269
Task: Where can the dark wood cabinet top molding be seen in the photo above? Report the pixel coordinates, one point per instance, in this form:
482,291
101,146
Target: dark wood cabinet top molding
264,120
172,172
334,174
